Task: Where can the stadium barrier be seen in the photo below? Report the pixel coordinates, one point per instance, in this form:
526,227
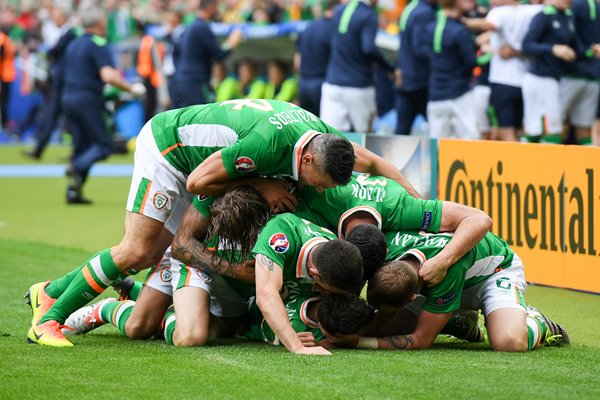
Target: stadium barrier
543,200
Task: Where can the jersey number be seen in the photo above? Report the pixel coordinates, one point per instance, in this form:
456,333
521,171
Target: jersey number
260,105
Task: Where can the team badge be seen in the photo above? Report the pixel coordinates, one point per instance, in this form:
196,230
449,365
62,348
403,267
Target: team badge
203,275
279,242
245,164
160,200
165,275
202,197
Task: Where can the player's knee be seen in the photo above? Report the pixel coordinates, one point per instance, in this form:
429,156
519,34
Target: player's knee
509,342
138,329
190,337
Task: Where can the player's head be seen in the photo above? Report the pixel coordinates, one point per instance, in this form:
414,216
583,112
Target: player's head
327,161
372,245
208,7
93,20
236,219
336,266
393,285
344,313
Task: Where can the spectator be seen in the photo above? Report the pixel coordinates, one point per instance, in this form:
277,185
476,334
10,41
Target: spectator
226,87
312,57
90,66
149,66
199,49
348,94
7,75
280,85
175,30
451,109
251,87
579,89
412,71
56,57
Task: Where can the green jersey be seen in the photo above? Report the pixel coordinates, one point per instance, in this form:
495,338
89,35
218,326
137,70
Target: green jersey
489,256
287,239
297,310
385,199
257,137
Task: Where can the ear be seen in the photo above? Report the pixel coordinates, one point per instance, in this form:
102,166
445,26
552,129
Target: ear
307,158
412,297
312,271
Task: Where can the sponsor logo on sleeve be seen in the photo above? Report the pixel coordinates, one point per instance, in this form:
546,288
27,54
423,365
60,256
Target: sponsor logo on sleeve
441,301
427,217
160,200
245,164
279,242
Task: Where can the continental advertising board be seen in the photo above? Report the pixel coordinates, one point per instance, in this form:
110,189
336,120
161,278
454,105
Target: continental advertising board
544,200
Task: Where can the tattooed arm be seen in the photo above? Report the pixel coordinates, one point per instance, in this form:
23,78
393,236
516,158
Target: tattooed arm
190,250
269,281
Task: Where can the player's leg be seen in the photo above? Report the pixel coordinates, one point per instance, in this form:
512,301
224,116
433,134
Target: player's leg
465,115
596,127
191,299
406,110
333,108
361,106
439,116
506,111
534,121
582,113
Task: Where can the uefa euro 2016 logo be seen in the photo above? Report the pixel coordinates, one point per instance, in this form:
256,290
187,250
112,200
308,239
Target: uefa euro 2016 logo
279,242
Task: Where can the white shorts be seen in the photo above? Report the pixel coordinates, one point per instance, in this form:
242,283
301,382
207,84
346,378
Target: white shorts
157,190
159,276
224,300
481,99
504,289
578,101
453,118
541,106
347,108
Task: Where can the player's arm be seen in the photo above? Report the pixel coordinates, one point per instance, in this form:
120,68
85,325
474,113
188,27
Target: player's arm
269,281
189,249
429,325
478,24
469,226
210,178
369,162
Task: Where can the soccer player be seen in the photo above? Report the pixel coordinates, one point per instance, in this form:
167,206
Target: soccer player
579,88
552,45
204,150
490,277
509,24
412,70
380,201
348,94
452,53
293,255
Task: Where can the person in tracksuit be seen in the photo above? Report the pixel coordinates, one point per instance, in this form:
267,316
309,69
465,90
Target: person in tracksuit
412,69
348,94
89,66
451,111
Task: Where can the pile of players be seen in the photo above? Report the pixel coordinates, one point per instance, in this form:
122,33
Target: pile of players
234,206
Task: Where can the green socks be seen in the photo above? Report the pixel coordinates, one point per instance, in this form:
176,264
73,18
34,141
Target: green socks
117,313
170,319
98,273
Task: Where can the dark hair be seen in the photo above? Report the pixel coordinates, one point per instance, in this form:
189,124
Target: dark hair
372,245
280,65
344,313
339,264
203,4
335,156
392,285
236,219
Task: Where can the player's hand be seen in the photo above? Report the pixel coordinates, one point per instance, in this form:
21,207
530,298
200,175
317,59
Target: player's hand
277,194
432,272
138,89
506,51
314,351
398,77
307,339
564,52
235,38
339,340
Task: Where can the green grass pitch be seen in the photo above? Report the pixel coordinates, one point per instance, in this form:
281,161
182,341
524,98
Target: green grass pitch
41,238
